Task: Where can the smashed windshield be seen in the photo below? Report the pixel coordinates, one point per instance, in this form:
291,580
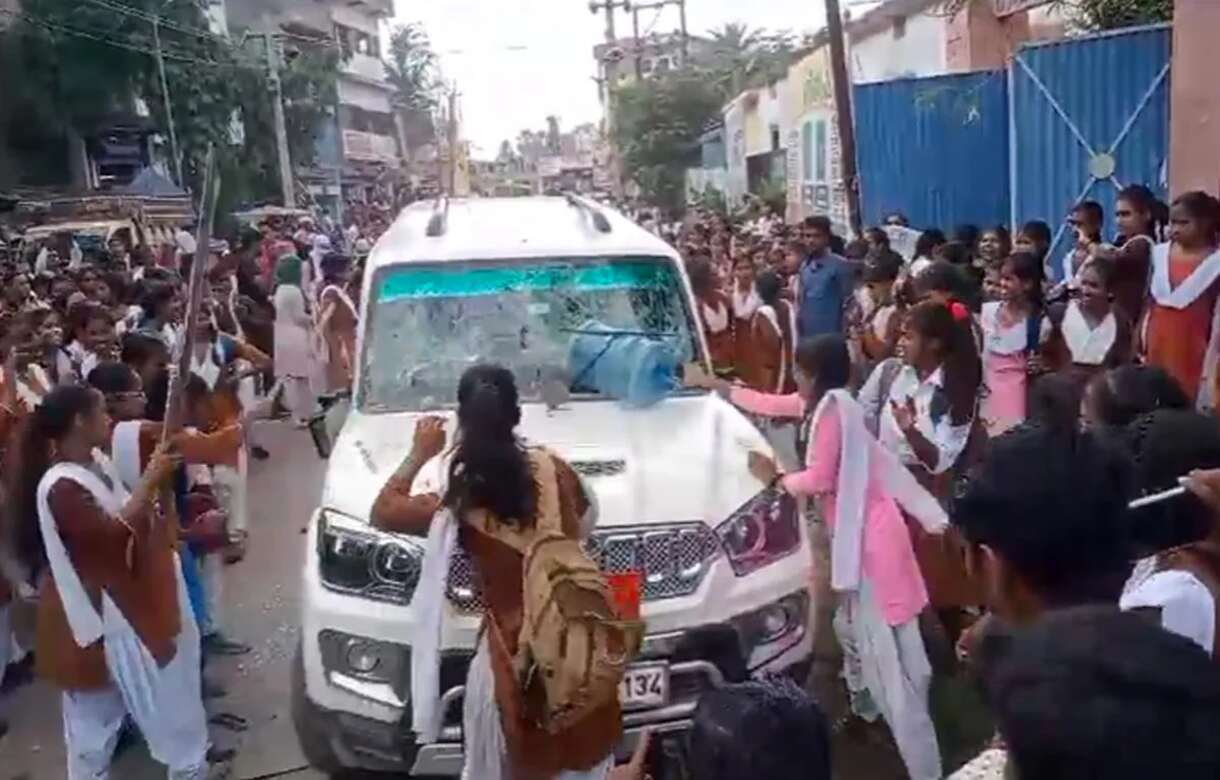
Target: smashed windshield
596,325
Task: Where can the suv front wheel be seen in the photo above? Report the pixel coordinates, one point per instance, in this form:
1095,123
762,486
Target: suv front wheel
311,731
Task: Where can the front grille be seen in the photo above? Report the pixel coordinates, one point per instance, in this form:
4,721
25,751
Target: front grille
599,468
672,559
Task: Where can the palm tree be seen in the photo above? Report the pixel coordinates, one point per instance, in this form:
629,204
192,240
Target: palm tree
742,57
412,71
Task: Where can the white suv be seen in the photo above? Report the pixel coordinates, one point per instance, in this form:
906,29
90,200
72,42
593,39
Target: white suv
725,564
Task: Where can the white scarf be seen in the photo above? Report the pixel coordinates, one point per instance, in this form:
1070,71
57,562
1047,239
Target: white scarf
856,455
998,339
86,623
426,615
125,452
717,319
1089,346
1182,296
1188,291
33,387
745,304
207,369
769,312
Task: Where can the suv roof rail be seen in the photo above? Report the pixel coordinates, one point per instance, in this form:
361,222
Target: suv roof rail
439,220
595,213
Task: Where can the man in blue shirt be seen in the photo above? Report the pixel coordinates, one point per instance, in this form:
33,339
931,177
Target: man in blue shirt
824,282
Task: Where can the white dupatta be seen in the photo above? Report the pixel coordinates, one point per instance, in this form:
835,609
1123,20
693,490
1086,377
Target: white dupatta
857,455
768,311
1089,346
87,624
427,612
1199,282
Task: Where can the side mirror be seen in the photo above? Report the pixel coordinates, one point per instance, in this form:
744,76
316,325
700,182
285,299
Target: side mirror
325,426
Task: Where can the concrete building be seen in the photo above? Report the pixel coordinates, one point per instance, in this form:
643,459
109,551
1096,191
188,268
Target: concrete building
914,38
363,149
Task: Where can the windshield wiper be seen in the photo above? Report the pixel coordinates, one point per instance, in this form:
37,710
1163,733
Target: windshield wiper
610,336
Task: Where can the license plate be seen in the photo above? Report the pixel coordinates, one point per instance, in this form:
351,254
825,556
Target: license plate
644,686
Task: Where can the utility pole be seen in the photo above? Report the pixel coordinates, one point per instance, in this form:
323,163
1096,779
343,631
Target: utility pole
169,110
287,186
453,133
685,34
636,43
847,133
636,7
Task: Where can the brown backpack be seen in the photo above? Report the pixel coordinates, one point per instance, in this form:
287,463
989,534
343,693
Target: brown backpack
573,641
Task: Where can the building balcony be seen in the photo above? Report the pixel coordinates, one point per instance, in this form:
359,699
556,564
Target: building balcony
359,145
364,67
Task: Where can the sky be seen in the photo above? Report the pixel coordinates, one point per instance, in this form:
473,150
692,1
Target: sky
517,61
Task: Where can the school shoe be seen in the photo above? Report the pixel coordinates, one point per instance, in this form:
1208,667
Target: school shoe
259,453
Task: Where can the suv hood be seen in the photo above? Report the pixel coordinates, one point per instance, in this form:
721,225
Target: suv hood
682,459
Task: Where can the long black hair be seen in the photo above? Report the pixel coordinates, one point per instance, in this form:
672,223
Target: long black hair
768,286
1051,500
1093,692
824,358
1027,267
1166,445
490,468
767,728
1143,199
961,366
1119,396
50,421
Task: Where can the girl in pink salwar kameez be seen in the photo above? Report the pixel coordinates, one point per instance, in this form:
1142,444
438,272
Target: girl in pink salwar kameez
859,487
1011,330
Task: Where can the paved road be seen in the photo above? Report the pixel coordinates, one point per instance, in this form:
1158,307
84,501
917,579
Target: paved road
263,599
263,596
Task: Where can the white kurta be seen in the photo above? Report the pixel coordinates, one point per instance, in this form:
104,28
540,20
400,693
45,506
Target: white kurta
293,340
165,702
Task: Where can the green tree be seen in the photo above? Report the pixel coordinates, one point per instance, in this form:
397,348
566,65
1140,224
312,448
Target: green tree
740,58
657,126
412,70
82,62
1095,15
1114,14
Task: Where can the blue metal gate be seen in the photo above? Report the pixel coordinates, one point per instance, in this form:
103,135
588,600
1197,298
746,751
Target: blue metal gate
1087,117
934,148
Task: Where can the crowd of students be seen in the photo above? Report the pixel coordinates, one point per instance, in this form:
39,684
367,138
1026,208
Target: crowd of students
118,524
995,437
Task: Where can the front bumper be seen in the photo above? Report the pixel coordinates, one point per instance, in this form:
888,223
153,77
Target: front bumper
367,726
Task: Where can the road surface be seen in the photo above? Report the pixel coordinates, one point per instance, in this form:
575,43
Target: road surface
263,610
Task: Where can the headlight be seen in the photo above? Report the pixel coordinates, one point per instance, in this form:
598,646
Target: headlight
359,560
773,622
761,532
363,658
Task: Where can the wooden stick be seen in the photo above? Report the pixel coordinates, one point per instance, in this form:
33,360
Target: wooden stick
175,404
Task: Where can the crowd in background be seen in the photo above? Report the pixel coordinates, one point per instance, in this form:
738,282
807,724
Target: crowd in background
90,342
1023,446
1057,417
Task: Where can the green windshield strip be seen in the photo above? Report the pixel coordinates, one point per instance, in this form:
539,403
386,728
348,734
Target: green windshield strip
461,281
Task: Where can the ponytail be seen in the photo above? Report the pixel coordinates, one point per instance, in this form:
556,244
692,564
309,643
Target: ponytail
490,469
50,421
953,327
